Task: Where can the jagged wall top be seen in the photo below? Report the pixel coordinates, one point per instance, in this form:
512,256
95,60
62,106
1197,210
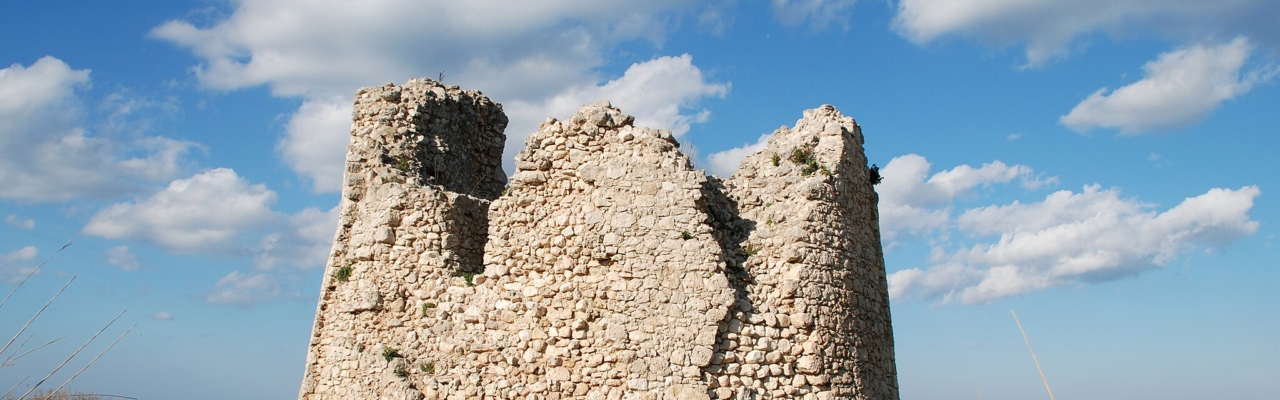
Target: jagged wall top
596,128
604,230
609,269
432,133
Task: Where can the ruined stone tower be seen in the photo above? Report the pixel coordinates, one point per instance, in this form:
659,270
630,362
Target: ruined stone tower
608,269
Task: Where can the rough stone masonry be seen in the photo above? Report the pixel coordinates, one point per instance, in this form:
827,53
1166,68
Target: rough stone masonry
608,269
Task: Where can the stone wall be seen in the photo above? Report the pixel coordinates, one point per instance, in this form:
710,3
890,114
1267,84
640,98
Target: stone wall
608,269
806,246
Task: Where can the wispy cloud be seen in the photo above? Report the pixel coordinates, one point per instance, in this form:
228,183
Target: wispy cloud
46,154
815,14
1179,88
241,289
120,256
1073,237
304,241
24,254
13,266
1047,28
23,223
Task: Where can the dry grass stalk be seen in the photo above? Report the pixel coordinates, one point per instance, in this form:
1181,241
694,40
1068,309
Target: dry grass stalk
73,355
33,272
1033,355
33,317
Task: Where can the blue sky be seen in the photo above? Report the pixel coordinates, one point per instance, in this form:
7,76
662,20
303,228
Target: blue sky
1104,168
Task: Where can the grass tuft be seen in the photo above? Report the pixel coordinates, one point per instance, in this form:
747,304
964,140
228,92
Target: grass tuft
468,276
343,274
50,394
402,164
807,162
389,353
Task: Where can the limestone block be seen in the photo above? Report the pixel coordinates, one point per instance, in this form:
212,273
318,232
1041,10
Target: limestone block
808,364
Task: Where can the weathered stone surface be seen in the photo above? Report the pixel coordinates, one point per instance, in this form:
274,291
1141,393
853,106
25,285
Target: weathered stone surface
801,228
608,269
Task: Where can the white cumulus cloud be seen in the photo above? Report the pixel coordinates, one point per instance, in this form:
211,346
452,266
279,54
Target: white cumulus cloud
532,57
660,93
1074,238
913,202
291,45
200,214
725,163
218,212
1048,27
315,141
1181,87
46,154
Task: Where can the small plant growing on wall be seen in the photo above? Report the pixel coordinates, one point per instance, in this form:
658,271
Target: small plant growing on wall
400,372
389,353
468,276
807,162
402,164
428,368
343,274
801,156
426,307
875,175
776,159
686,235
